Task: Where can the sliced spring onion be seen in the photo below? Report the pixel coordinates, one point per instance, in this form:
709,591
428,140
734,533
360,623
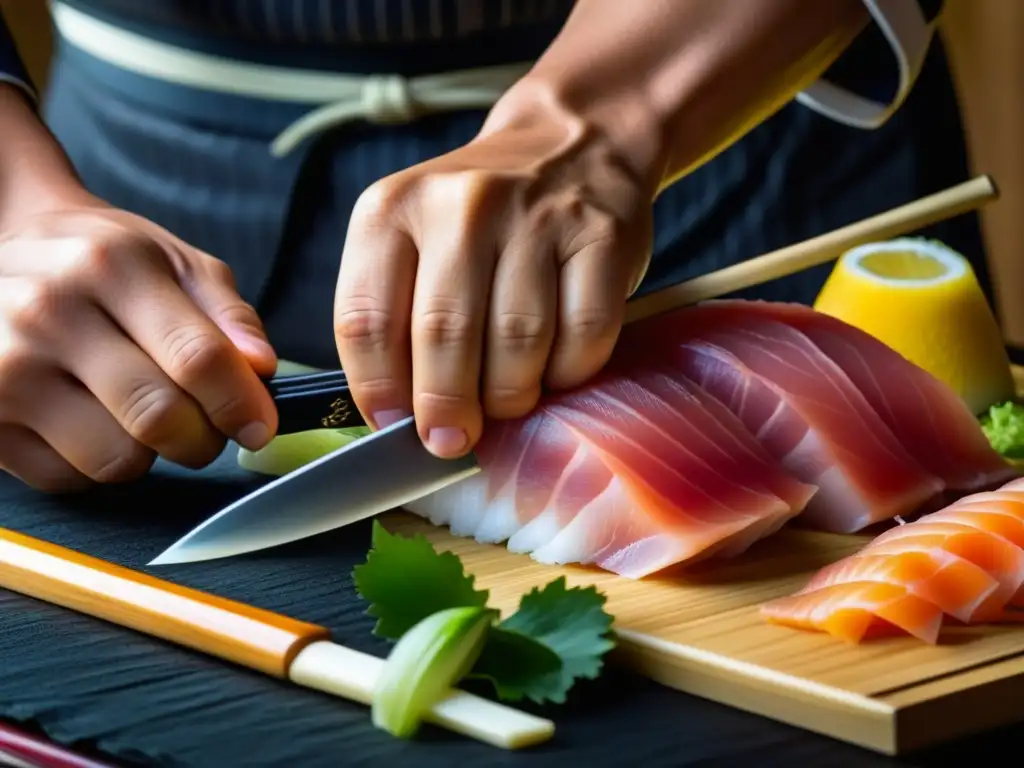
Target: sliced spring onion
425,664
287,453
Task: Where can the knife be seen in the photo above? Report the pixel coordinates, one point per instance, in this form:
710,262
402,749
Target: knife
364,478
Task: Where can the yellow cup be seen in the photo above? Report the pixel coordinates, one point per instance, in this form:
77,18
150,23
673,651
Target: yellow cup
923,299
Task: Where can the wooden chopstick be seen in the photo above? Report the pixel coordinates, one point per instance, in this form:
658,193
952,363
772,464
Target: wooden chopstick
252,637
20,748
784,262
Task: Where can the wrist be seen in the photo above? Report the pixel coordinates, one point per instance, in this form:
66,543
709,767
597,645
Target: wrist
673,84
620,125
35,174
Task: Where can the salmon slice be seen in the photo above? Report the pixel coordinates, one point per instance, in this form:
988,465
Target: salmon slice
983,517
956,586
995,555
856,610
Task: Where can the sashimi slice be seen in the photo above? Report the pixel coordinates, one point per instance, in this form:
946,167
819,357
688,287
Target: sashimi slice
930,420
957,586
733,443
994,554
633,473
806,413
853,611
982,518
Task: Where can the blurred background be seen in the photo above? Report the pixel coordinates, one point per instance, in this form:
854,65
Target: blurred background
985,39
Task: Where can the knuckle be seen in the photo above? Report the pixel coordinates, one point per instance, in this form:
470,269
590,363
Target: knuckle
195,353
35,305
126,465
521,331
221,272
150,412
588,325
364,328
596,227
479,188
442,402
95,259
510,402
238,314
444,327
17,363
378,201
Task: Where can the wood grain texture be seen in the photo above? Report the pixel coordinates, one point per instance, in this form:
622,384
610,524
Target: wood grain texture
700,631
249,636
986,44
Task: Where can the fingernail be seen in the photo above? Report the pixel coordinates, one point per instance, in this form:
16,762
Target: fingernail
447,441
387,418
253,436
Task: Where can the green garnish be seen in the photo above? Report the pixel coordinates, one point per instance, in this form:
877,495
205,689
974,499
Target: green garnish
286,453
424,665
557,636
1003,425
405,580
570,623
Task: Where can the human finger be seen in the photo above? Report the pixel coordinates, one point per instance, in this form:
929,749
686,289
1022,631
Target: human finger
26,456
593,287
217,295
77,426
143,399
523,317
373,304
195,354
449,319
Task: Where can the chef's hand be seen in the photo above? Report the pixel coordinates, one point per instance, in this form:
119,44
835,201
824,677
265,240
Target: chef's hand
472,280
119,342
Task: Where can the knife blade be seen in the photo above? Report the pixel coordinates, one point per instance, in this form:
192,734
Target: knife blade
375,474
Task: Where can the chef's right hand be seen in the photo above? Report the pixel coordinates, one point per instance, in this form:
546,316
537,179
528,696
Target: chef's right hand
118,343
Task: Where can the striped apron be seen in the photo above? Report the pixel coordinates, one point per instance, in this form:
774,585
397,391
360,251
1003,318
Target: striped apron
267,184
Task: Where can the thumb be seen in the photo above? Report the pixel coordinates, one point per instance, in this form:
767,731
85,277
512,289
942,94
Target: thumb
237,319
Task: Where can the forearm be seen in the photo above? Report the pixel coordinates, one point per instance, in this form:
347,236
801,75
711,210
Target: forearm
34,171
674,83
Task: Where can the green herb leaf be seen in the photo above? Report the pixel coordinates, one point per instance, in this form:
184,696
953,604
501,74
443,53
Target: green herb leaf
519,667
425,664
1003,425
572,623
405,580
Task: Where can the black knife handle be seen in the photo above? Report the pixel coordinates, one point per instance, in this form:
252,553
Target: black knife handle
313,401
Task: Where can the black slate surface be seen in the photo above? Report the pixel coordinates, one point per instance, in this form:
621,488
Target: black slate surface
141,701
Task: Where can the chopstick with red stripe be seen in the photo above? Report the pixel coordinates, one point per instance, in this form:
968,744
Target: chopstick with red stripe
23,750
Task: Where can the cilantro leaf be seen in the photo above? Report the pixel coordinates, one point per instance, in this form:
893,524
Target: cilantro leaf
1003,425
405,580
572,623
519,667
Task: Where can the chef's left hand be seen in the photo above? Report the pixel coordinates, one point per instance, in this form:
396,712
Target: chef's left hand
471,281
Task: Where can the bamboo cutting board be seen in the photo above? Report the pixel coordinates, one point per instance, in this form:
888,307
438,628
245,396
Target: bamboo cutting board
700,632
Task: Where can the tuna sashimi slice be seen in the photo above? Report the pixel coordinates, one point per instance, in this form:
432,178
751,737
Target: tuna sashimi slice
633,473
957,586
931,421
805,411
855,610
